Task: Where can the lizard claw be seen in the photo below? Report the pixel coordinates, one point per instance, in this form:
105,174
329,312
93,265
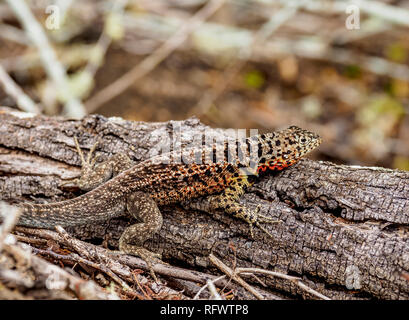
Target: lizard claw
69,181
261,219
90,161
84,164
151,259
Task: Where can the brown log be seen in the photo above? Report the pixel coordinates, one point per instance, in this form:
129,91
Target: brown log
343,229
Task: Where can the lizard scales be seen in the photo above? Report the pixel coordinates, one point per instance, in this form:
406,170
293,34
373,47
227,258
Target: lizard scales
170,183
118,185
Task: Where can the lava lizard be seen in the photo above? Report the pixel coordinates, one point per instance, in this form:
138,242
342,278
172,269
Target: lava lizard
118,185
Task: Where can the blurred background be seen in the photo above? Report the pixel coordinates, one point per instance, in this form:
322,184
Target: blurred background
339,68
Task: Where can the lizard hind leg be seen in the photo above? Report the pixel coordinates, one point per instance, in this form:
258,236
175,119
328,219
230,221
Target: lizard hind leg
143,207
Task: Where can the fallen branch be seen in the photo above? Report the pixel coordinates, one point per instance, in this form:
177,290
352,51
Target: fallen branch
343,229
10,87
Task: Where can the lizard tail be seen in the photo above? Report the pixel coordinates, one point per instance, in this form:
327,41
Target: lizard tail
87,208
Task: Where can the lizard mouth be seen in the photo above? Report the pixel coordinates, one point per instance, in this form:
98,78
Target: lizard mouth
293,144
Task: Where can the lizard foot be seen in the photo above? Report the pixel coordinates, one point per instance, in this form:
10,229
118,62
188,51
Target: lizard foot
149,257
258,220
87,166
90,161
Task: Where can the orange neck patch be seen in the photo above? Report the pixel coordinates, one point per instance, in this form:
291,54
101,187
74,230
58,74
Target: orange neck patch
280,166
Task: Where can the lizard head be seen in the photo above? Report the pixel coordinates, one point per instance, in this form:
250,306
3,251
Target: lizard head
281,149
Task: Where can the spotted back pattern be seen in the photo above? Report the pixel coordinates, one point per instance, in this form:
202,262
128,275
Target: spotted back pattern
202,171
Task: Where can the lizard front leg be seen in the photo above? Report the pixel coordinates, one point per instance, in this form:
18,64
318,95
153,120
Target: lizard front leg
92,174
141,206
228,200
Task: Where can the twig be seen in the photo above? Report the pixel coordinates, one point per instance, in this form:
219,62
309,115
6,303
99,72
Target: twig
86,250
72,106
123,262
207,284
234,275
57,278
394,14
295,280
78,259
140,287
16,277
13,34
149,63
382,10
23,101
9,220
95,253
33,241
310,290
214,294
231,273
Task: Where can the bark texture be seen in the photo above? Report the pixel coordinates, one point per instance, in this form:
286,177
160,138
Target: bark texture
343,229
